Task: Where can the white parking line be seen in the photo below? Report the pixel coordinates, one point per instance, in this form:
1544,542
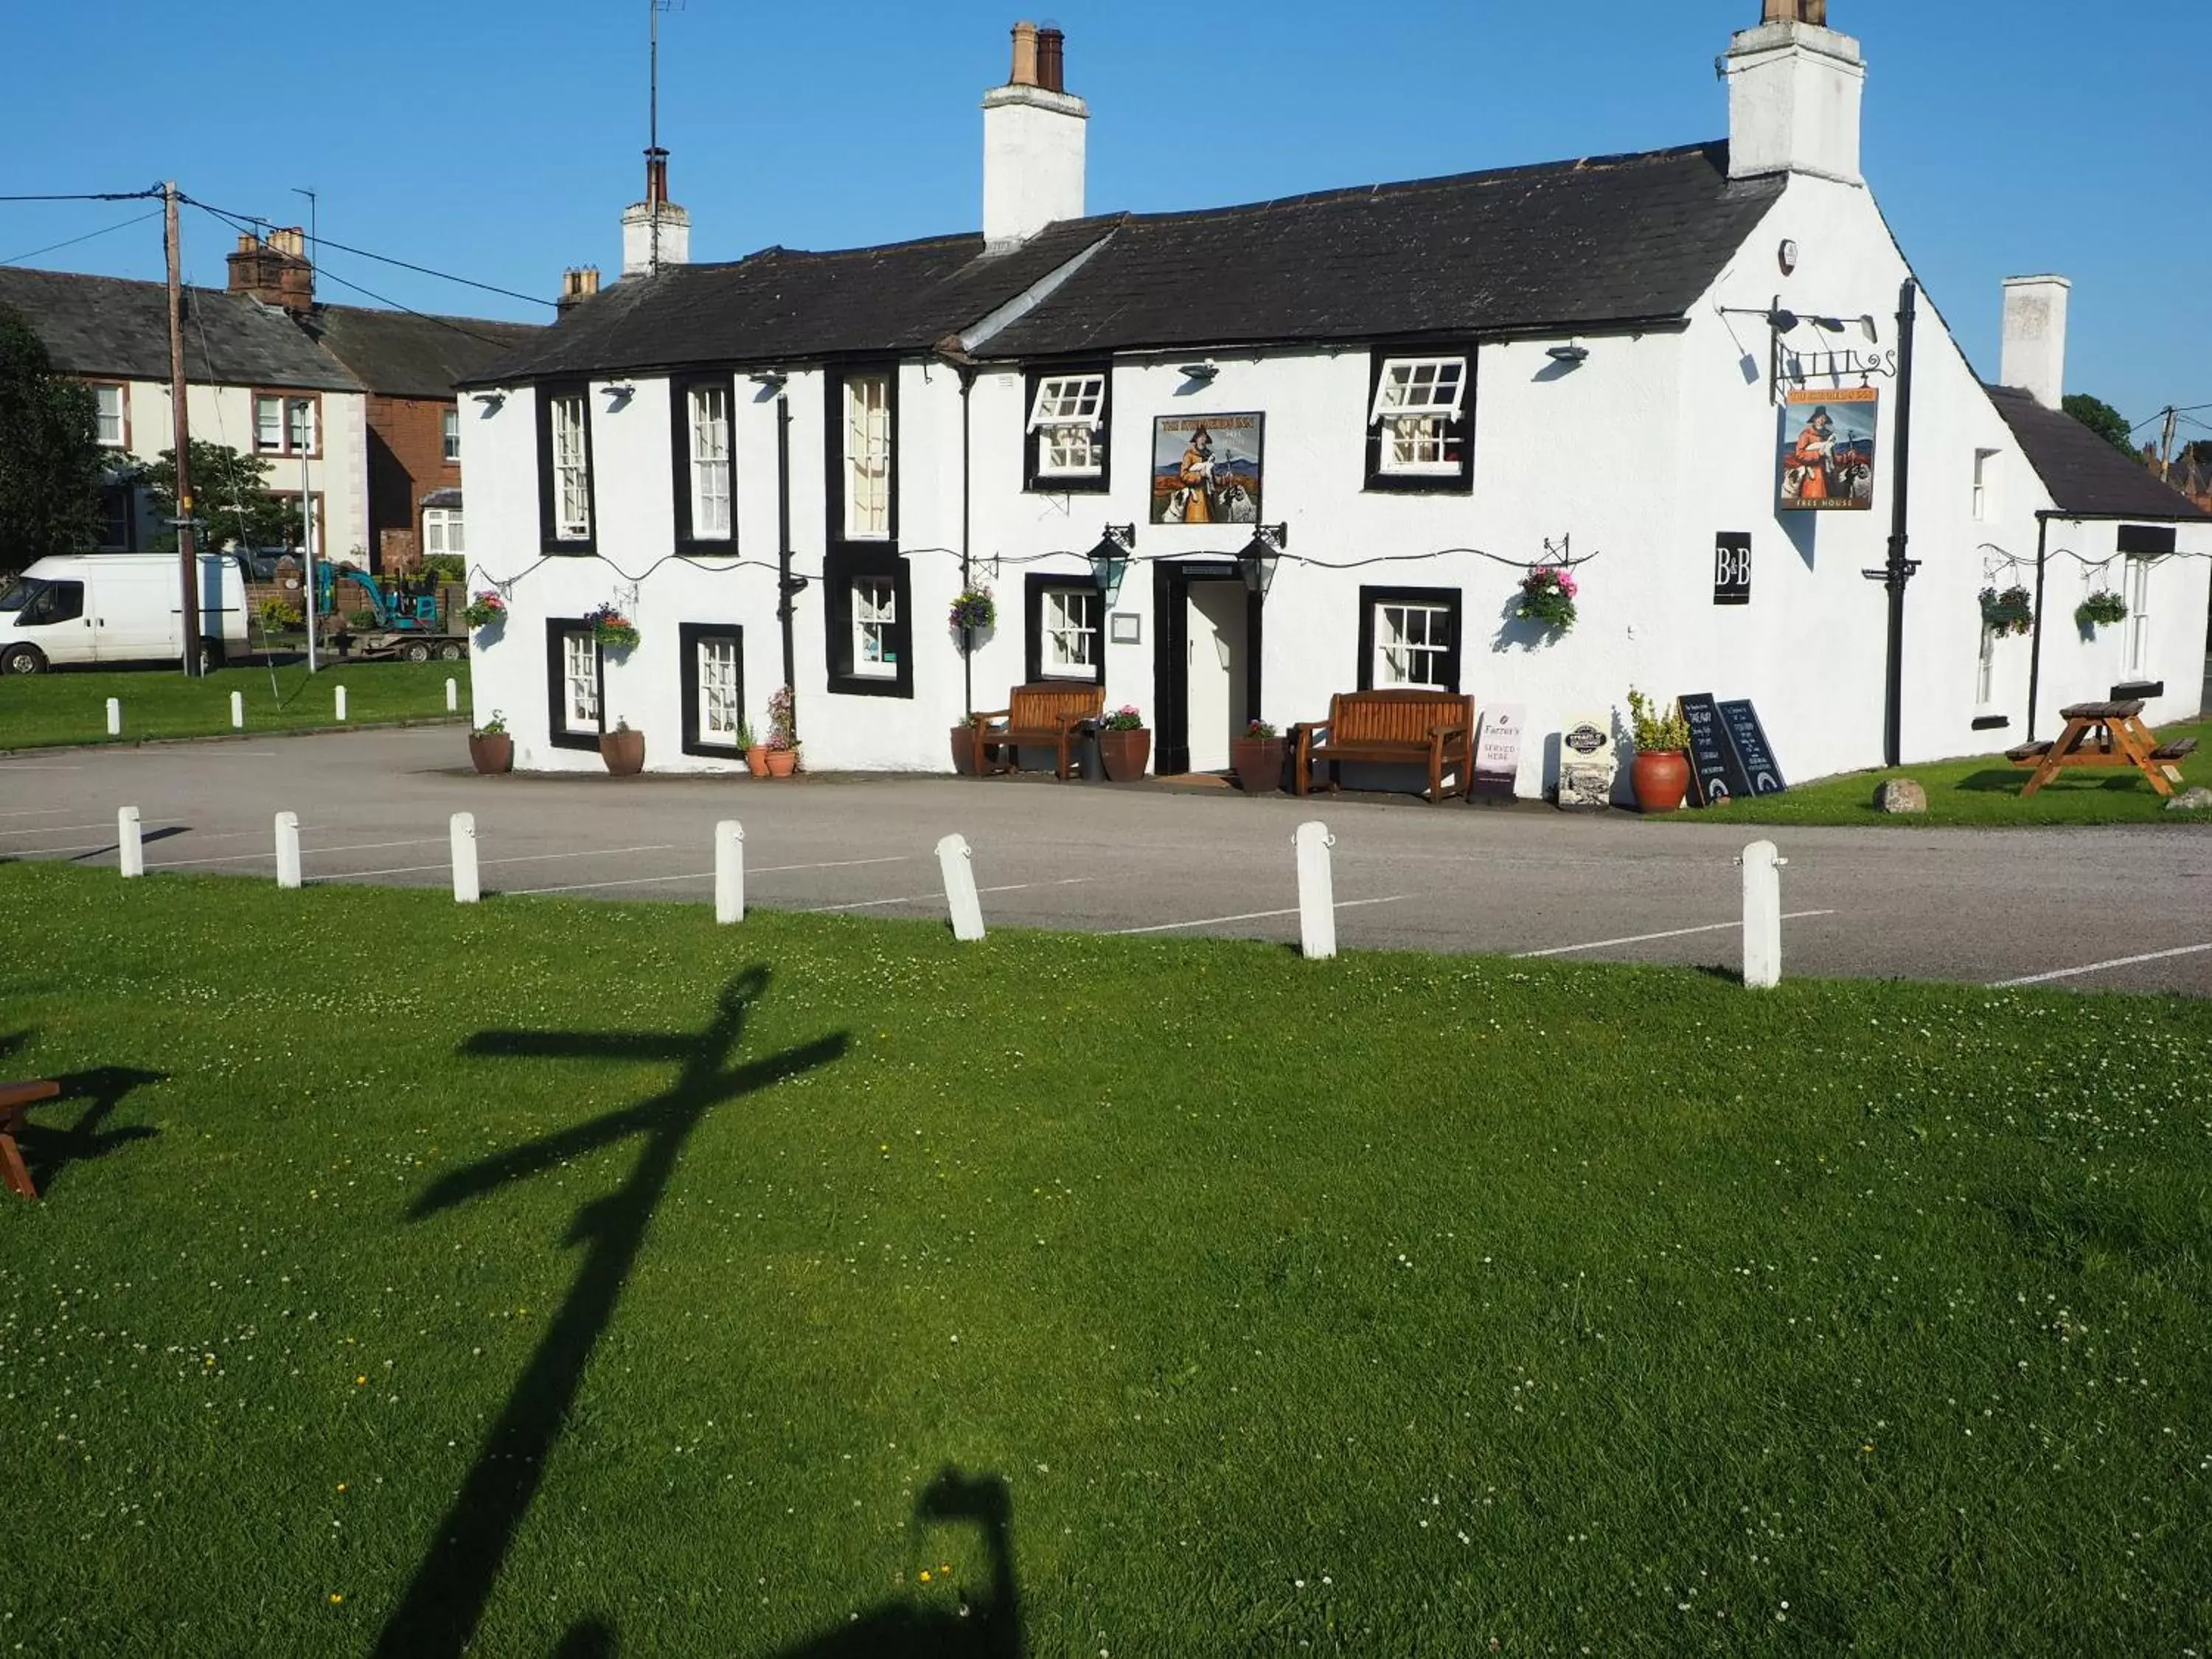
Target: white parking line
841,863
595,886
25,766
1646,939
1251,915
527,858
244,858
930,898
2099,967
39,811
71,829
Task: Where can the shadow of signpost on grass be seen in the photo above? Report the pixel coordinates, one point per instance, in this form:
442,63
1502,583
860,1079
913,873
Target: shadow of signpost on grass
442,1607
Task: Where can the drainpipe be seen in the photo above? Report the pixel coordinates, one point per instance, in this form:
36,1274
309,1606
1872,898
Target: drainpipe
787,586
967,374
2035,644
1900,570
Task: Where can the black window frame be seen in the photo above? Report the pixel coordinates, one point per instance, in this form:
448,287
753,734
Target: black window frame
1454,600
1035,587
689,637
1461,483
1034,482
843,566
557,630
835,477
680,388
548,541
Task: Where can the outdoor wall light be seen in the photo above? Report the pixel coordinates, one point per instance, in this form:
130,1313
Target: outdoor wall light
771,379
1574,354
1261,556
1110,560
1205,374
619,392
491,400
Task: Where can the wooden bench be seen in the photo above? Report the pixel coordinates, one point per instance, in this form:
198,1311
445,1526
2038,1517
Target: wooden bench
1039,715
1398,728
15,1097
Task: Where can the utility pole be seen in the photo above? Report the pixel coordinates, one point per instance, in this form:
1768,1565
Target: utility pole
187,549
2166,444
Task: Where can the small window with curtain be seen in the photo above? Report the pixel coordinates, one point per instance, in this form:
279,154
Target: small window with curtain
2138,624
286,424
1066,620
1419,424
441,531
111,408
867,621
714,692
1068,431
450,432
868,423
875,629
710,425
564,440
572,682
1409,638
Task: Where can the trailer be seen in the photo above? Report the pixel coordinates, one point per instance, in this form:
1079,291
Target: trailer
407,627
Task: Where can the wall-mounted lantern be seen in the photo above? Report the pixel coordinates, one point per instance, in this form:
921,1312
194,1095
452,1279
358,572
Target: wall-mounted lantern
1261,556
1110,560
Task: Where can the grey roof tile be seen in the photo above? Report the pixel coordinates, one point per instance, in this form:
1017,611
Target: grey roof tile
404,354
2083,472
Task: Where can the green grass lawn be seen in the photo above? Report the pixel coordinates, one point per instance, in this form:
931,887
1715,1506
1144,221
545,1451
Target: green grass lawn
1983,793
37,710
640,1285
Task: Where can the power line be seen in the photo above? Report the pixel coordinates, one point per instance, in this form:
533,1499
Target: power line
102,196
56,247
250,220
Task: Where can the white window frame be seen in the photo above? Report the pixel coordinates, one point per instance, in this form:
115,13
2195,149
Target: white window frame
1397,653
579,682
101,393
714,500
444,532
268,420
1413,415
1068,416
715,666
1986,492
449,434
868,459
2138,597
569,414
875,627
1985,671
1071,623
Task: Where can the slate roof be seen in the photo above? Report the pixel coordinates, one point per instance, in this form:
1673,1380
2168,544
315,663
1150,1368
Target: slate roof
1615,241
111,326
781,306
404,354
2083,472
1610,241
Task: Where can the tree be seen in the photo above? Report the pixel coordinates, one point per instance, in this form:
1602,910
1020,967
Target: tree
49,459
2101,418
228,495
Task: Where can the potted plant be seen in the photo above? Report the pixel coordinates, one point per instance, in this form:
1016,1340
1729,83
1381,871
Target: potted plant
490,749
974,612
1257,758
1661,772
2012,611
623,750
2102,609
781,748
1125,745
614,631
1547,598
754,751
484,611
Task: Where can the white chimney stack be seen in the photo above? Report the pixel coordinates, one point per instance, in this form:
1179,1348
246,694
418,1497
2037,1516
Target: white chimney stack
1795,91
655,232
2035,336
1034,138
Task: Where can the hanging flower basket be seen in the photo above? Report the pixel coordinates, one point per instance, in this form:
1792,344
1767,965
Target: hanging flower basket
2102,609
975,611
1547,598
484,611
2012,611
613,630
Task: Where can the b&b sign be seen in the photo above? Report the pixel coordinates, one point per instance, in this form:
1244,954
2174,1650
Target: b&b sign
1731,568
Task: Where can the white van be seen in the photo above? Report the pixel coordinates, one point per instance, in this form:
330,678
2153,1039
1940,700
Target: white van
116,608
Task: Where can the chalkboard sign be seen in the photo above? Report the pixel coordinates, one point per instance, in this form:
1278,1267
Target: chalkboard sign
1748,739
1715,774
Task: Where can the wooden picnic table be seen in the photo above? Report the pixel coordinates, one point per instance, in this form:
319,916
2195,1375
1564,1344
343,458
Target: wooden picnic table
2104,734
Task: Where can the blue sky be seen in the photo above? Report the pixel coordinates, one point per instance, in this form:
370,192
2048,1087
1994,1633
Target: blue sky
500,140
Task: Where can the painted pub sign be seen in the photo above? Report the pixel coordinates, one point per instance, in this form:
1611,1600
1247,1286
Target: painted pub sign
1206,468
1828,450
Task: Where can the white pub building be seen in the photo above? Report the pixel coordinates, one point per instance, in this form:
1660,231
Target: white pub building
1227,463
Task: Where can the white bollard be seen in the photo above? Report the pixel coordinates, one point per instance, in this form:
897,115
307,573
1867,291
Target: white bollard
287,849
1762,915
729,873
453,696
465,891
342,705
128,846
1317,892
115,717
238,711
957,860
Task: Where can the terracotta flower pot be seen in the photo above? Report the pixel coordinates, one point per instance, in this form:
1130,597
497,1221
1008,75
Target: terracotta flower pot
1258,763
963,750
1126,754
623,752
782,763
756,760
1661,777
492,754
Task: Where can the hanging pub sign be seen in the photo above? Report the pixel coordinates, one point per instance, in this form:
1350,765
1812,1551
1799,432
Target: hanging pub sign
1828,450
1732,567
1206,468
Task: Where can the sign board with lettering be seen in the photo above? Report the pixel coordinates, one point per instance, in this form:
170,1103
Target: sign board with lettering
1715,774
1753,752
1732,567
1497,750
1588,762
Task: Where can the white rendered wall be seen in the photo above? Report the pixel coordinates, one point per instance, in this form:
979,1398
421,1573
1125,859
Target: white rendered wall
1794,94
1033,145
